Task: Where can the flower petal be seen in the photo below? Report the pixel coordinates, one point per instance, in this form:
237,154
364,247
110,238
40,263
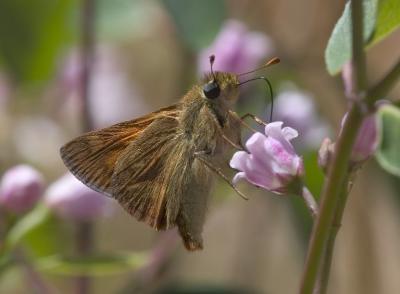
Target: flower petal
289,133
274,130
239,176
238,160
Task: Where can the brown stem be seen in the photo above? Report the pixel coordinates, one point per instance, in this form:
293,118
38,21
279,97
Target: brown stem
35,280
84,246
87,54
84,235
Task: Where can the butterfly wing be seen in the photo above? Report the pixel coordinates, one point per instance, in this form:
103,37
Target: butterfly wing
153,173
92,156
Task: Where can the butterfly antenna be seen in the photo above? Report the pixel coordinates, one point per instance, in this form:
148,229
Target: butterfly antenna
270,62
212,59
270,92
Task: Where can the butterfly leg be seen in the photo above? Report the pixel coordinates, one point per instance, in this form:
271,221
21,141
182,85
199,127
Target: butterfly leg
234,145
200,156
255,118
241,120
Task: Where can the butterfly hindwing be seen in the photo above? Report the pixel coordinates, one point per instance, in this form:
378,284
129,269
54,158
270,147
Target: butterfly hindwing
153,173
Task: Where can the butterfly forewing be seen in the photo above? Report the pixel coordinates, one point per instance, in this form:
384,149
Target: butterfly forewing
92,156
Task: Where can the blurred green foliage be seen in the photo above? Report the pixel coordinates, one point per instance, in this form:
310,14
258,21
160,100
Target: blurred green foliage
117,19
93,265
197,22
32,35
202,289
314,180
388,19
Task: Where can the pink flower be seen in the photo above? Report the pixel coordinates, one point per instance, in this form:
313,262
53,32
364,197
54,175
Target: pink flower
367,140
70,199
236,49
272,162
20,188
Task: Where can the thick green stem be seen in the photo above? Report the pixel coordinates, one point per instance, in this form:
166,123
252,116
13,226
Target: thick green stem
339,167
331,192
333,201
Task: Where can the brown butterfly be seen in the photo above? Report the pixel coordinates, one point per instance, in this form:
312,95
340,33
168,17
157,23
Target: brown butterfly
160,167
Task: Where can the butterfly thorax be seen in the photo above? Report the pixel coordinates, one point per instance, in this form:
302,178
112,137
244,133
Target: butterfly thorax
202,119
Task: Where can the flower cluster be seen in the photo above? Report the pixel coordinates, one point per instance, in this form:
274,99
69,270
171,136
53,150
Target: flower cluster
271,161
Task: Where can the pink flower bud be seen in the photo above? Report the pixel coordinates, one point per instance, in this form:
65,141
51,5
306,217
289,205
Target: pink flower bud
367,140
272,162
236,49
70,199
20,188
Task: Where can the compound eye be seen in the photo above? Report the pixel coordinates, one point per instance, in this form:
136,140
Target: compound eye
211,90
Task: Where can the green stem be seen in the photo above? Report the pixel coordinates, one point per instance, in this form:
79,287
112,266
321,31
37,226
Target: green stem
382,88
338,169
336,224
331,192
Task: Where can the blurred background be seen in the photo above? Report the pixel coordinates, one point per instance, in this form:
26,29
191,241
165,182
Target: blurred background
70,66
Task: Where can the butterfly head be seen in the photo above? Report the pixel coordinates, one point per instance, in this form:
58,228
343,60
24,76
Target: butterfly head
220,85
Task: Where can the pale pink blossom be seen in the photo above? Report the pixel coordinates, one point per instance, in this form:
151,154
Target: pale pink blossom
20,188
236,49
71,199
271,161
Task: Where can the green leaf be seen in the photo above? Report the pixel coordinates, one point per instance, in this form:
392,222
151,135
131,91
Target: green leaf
339,48
388,154
388,19
197,22
32,35
25,225
97,265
